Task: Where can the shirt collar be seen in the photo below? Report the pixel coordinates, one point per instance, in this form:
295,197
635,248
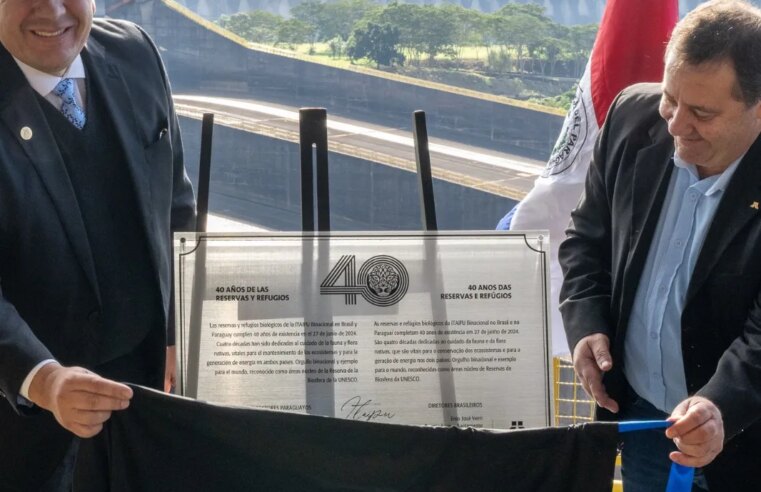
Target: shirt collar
718,182
43,83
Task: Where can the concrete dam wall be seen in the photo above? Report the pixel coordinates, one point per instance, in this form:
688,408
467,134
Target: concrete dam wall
257,179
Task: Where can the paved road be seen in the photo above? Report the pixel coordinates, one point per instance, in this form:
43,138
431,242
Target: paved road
499,173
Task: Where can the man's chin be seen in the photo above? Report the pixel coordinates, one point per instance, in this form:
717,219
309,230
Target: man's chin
56,66
689,153
49,56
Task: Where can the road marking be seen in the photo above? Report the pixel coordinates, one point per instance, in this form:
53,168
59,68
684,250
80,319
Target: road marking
501,162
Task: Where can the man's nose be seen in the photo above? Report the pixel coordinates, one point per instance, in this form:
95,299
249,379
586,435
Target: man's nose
680,122
50,8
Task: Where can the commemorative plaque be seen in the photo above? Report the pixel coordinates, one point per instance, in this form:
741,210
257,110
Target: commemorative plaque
416,328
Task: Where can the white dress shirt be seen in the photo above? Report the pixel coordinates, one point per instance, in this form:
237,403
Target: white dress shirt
44,83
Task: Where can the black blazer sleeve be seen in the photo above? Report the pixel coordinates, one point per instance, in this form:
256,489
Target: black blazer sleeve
20,351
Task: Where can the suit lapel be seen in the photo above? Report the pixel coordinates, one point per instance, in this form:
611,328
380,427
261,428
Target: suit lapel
118,104
21,113
733,213
652,173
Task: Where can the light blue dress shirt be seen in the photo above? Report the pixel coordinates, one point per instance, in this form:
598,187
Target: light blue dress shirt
653,352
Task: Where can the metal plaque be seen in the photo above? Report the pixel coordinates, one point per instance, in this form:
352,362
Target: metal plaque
419,328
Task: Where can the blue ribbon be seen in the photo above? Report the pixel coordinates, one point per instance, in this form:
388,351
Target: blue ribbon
637,425
680,476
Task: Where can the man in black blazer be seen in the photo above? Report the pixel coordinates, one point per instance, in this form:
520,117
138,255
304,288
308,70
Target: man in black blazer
662,261
92,185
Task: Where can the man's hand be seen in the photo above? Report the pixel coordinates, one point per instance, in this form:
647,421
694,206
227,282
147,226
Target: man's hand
698,432
80,400
170,370
591,357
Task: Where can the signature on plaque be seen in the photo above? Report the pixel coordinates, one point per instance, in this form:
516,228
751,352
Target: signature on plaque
357,408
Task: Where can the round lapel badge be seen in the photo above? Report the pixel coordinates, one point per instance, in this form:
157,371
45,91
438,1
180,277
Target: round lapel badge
26,133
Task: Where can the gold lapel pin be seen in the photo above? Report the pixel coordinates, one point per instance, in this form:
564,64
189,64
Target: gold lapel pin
754,205
26,133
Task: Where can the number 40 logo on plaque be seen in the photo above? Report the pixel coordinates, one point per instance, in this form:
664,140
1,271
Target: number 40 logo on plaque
382,280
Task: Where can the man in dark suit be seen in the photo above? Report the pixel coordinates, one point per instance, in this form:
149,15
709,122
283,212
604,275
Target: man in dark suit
92,185
662,261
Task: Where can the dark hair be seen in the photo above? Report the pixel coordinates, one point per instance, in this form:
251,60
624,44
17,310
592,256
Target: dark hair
722,31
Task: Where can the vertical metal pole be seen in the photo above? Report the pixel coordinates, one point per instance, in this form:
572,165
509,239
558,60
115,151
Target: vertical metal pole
314,135
314,163
425,180
432,260
199,271
204,171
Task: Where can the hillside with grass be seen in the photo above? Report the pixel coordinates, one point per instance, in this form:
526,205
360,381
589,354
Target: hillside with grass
516,52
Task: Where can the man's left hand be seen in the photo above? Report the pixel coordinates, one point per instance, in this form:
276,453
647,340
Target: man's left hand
698,432
170,370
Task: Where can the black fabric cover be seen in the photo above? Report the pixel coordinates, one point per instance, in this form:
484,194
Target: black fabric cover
167,443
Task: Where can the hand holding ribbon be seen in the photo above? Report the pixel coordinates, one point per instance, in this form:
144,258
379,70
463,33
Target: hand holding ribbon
680,476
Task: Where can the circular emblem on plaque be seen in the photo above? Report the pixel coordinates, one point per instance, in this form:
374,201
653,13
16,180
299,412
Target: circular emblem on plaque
384,280
571,140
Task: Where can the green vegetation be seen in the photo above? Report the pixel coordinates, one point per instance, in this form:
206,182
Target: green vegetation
562,101
376,42
518,51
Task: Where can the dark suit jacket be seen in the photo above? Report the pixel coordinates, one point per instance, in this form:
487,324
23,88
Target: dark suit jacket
604,255
49,301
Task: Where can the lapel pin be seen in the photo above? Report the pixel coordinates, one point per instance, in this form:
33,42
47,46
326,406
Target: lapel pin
26,134
754,205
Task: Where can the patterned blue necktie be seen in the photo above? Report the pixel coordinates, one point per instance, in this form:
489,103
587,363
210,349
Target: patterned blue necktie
69,106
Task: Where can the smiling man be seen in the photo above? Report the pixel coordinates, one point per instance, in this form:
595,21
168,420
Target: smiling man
662,293
92,185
